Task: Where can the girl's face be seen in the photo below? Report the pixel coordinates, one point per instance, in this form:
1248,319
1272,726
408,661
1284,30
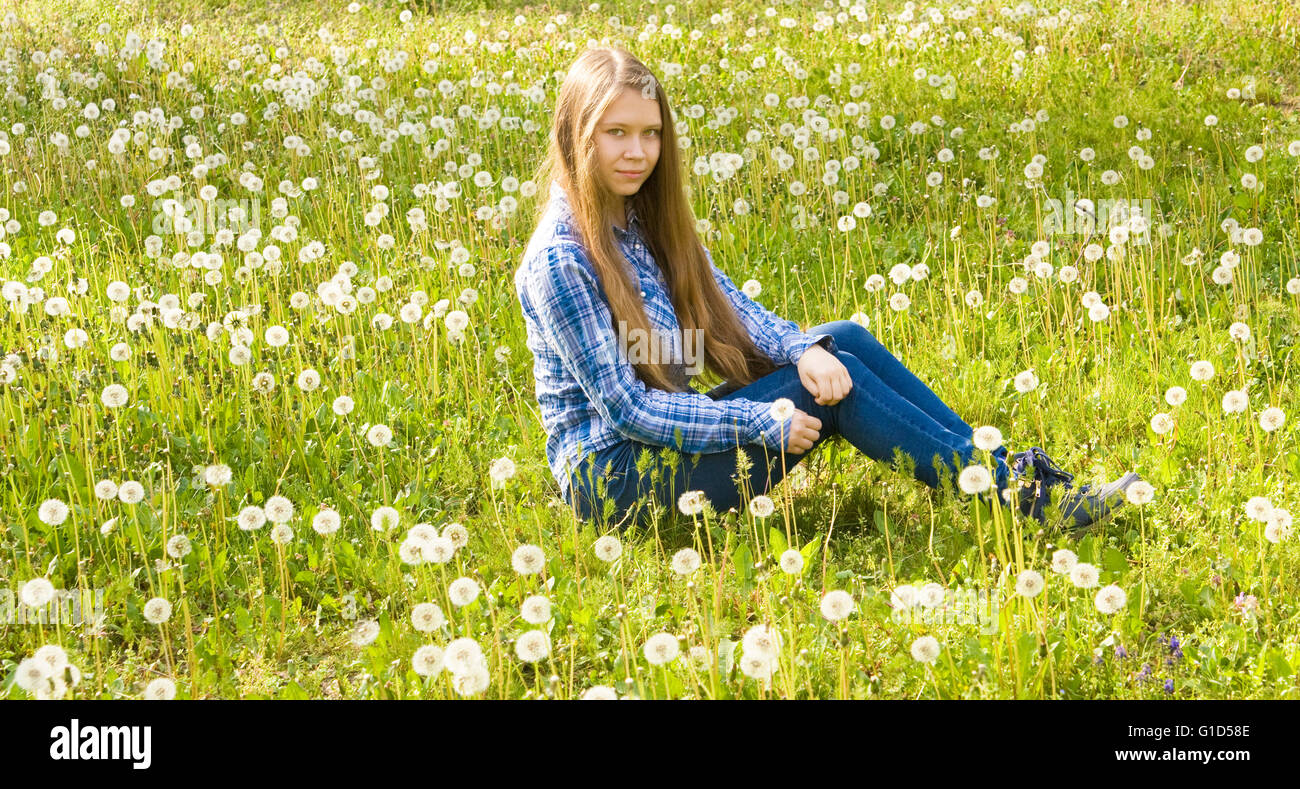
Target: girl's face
627,142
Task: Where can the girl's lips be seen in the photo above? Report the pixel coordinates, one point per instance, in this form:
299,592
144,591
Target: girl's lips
630,173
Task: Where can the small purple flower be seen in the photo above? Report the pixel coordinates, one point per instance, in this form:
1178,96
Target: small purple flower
1145,673
1120,652
1169,686
1097,660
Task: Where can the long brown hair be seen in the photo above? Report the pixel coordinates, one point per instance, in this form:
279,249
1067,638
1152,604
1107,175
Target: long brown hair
593,82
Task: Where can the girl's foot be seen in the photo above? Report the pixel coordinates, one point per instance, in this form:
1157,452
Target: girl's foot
1078,509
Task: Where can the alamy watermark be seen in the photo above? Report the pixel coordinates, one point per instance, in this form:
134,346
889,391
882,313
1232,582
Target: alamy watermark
205,217
71,607
962,606
1081,216
663,347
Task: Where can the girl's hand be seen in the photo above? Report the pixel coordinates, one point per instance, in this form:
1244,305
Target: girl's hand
824,376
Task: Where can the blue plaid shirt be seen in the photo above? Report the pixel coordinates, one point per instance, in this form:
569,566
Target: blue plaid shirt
588,392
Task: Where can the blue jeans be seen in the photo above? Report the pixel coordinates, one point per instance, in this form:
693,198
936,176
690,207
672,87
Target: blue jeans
887,408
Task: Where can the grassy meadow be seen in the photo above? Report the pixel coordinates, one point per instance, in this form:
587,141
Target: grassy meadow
265,389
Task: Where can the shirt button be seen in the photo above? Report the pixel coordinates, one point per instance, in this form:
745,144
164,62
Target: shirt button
643,294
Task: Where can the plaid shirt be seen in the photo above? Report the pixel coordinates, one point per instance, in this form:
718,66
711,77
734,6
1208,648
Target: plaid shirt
588,392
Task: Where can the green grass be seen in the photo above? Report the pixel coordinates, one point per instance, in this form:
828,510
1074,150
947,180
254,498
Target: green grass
250,618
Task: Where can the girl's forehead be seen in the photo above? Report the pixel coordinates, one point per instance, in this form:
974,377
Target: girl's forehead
630,108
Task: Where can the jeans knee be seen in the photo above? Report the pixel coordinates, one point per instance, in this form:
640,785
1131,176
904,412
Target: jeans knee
849,333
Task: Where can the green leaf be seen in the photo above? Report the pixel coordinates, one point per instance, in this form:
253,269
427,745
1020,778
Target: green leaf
726,653
776,540
293,691
1114,561
810,550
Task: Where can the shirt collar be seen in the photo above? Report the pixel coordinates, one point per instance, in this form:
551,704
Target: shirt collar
557,192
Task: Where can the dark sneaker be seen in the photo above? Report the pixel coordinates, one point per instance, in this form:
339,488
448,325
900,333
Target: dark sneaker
1088,508
1034,465
1078,509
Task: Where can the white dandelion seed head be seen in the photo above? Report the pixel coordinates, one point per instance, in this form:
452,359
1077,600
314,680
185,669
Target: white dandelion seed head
1029,583
757,667
157,610
782,409
1161,424
114,396
278,509
599,693
528,560
385,519
178,546
1064,560
365,633
607,548
974,480
836,605
160,689
1084,575
792,562
427,617
36,592
52,512
250,518
1271,419
1140,492
988,438
536,609
326,521
54,656
692,502
1026,382
925,649
457,533
31,673
130,492
218,475
1235,401
761,506
379,435
1110,599
1258,508
427,660
501,469
532,646
463,656
661,648
106,490
685,561
462,591
1276,532
472,682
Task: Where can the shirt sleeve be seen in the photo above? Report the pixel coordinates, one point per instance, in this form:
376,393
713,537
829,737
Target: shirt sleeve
577,323
780,339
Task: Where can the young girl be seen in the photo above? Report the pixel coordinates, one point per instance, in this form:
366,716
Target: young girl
617,292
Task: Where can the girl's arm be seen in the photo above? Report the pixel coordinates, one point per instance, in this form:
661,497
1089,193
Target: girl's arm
781,340
562,292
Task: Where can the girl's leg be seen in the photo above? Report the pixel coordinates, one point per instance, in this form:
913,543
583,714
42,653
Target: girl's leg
857,340
611,476
888,408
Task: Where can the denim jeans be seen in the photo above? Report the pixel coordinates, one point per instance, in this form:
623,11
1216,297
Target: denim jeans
887,408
